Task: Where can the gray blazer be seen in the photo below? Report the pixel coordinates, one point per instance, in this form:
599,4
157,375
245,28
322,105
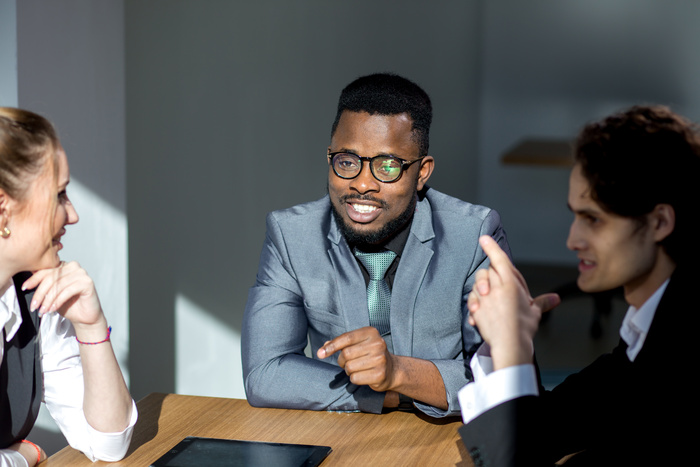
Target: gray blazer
309,284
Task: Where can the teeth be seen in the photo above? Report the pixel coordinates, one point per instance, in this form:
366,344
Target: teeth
363,208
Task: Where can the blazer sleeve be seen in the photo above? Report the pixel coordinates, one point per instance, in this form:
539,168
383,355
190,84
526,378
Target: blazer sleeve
276,371
456,373
583,413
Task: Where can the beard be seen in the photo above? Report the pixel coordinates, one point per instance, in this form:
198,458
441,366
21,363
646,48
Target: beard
367,240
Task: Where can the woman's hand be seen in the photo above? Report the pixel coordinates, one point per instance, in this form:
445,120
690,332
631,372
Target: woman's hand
68,290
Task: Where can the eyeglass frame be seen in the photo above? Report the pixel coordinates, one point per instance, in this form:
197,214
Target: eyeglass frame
404,164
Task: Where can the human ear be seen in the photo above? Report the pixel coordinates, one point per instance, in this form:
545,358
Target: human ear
426,169
663,221
5,204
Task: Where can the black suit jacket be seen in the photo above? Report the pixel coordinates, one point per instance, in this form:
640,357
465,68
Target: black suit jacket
613,412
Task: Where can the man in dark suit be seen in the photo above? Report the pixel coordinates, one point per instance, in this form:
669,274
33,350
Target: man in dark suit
377,339
633,192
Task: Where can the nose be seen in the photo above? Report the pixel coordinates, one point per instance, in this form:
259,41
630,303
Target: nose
574,241
72,215
365,181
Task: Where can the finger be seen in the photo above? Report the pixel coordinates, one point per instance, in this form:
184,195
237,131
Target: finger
67,295
35,279
54,287
473,302
481,282
54,284
363,361
500,263
337,344
45,281
547,301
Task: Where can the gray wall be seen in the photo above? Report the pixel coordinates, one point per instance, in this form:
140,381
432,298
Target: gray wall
209,114
551,66
229,112
8,53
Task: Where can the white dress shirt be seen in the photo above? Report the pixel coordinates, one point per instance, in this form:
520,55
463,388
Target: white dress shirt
491,388
63,386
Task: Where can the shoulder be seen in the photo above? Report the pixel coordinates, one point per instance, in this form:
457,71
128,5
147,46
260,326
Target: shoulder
303,221
305,212
454,212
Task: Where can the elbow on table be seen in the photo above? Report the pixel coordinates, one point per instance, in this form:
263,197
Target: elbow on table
257,394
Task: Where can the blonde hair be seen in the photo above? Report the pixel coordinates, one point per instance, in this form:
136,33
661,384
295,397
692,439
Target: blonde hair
26,139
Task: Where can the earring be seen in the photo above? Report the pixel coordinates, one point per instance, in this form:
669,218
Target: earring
5,232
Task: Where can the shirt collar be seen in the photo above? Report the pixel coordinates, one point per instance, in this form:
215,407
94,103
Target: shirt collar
395,243
636,324
10,315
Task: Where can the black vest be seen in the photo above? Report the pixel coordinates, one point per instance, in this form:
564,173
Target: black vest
20,373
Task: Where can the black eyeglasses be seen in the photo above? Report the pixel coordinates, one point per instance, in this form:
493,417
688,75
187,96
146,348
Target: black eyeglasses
386,169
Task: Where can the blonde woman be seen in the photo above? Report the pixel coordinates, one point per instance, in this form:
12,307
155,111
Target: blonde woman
55,338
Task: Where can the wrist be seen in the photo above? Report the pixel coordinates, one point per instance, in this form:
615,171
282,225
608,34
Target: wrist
30,451
92,333
391,399
512,353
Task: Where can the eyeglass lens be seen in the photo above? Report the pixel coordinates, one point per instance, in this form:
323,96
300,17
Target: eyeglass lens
384,168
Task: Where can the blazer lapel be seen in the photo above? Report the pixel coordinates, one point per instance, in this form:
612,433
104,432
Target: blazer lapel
413,266
351,286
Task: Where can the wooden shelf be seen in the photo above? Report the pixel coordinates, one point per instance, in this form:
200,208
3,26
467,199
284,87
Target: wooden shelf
542,152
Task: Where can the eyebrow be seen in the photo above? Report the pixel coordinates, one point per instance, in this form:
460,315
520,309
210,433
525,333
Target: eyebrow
584,211
352,151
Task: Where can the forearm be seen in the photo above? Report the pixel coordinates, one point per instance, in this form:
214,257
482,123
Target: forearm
107,403
420,380
18,455
298,382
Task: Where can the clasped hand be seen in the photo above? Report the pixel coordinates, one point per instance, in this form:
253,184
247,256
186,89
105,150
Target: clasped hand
501,307
364,357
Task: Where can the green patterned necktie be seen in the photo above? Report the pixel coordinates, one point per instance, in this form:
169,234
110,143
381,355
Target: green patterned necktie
378,293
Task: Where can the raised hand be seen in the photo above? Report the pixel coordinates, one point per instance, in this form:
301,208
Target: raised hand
501,307
68,290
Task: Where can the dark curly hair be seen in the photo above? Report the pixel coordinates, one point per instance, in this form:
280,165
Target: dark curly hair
642,157
389,94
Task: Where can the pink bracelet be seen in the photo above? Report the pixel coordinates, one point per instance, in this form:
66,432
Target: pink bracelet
109,331
38,451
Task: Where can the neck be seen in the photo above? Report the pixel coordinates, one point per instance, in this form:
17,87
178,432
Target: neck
639,291
6,284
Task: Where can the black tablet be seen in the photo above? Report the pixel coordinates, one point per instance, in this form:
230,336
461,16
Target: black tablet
193,451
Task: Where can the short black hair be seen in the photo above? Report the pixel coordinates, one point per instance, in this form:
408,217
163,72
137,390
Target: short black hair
389,94
642,157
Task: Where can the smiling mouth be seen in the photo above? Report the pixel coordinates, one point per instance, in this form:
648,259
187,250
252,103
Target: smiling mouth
363,208
57,238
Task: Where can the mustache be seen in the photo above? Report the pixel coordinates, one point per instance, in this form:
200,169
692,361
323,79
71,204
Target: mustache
347,198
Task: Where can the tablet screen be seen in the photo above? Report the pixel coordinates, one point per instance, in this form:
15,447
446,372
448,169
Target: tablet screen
193,451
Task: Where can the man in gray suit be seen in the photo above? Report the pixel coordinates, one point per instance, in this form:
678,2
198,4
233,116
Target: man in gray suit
375,275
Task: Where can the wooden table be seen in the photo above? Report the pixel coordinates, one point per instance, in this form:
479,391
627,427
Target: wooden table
396,438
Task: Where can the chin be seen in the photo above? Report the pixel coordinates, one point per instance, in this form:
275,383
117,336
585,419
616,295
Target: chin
49,262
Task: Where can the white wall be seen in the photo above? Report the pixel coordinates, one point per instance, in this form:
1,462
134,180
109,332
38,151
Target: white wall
71,70
548,68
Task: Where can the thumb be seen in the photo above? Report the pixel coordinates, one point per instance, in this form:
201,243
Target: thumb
547,301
